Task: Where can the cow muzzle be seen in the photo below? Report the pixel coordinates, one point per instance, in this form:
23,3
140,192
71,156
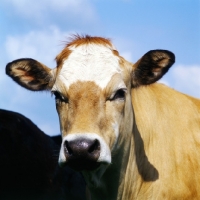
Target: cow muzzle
84,152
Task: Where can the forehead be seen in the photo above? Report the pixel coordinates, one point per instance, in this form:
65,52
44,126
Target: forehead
95,61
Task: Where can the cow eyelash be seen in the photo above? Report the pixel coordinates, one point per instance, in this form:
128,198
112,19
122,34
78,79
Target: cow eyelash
119,94
59,97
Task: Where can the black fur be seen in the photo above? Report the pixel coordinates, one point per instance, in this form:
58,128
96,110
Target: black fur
30,68
145,74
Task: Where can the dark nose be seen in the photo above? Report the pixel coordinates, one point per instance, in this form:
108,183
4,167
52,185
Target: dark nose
82,154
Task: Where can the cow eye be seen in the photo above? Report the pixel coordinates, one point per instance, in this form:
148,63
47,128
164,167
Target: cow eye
59,97
120,94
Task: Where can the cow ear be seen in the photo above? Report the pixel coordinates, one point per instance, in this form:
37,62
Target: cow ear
151,67
30,74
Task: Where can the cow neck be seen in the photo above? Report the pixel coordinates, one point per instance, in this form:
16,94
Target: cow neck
112,182
140,174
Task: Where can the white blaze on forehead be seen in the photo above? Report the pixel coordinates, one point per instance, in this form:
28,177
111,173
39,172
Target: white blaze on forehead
89,62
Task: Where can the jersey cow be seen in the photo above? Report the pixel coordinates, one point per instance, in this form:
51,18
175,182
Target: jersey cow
131,138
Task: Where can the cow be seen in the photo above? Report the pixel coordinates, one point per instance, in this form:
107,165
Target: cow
29,167
131,137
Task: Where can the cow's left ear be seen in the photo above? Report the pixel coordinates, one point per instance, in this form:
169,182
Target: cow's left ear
31,74
151,67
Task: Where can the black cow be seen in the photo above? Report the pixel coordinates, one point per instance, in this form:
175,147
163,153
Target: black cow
28,163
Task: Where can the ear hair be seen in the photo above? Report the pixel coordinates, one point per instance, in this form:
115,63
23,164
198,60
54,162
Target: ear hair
30,74
151,67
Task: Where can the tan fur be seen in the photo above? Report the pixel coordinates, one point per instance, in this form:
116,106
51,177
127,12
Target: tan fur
168,123
153,133
86,111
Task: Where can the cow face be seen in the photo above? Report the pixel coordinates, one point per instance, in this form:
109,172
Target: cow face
92,87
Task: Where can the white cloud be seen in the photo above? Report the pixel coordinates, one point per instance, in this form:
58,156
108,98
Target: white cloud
41,45
127,55
186,78
41,10
165,82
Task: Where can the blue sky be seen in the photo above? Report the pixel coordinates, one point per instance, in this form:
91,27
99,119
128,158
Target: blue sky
38,29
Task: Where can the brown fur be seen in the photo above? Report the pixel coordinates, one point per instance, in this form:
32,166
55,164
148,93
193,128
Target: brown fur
77,40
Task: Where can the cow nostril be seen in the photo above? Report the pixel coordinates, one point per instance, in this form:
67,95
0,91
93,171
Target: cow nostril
82,154
68,148
94,147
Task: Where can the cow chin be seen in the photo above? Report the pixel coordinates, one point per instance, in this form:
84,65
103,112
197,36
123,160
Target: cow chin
93,178
84,152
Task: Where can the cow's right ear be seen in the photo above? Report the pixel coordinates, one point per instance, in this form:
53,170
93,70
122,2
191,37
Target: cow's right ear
30,74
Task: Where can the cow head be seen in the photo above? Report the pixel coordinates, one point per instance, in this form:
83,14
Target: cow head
92,87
